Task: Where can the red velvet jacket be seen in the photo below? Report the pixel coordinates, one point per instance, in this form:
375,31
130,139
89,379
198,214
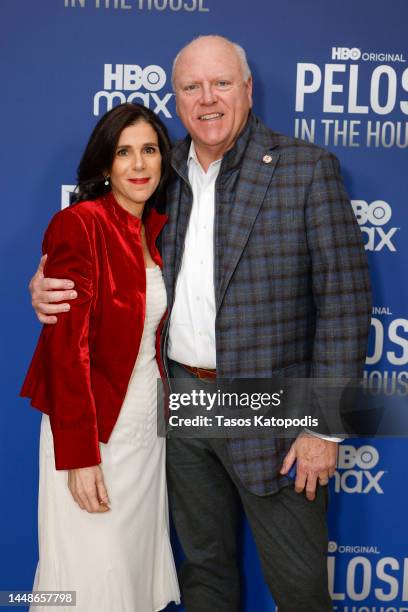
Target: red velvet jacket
82,365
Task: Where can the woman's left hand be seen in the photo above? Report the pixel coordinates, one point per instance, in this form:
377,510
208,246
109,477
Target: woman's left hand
88,489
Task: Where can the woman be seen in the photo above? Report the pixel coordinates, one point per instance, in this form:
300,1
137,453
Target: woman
103,518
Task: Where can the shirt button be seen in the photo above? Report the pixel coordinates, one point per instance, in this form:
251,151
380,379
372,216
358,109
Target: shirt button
198,298
204,227
202,261
200,333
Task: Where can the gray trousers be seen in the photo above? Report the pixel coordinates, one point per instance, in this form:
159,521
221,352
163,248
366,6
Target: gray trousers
290,532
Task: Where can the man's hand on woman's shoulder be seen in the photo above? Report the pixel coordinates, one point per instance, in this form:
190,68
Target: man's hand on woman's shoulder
49,295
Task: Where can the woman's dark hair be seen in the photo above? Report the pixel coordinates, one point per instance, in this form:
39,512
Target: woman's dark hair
98,157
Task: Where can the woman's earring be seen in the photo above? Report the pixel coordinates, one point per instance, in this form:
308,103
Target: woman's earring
106,181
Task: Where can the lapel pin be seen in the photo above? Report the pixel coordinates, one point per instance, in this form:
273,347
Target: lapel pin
267,159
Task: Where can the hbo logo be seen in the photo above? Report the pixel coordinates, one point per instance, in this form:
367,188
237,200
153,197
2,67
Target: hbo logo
344,53
365,457
131,77
362,479
376,213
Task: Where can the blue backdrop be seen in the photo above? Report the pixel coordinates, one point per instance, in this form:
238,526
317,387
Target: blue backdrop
331,72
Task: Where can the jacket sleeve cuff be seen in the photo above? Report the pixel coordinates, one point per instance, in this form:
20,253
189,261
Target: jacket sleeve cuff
75,448
324,436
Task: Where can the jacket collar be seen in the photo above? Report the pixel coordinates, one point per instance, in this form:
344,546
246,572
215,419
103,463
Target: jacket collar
153,221
254,129
233,158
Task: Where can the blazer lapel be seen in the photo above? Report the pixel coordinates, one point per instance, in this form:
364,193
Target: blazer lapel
256,173
178,210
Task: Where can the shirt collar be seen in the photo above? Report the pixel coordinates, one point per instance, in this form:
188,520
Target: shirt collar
192,157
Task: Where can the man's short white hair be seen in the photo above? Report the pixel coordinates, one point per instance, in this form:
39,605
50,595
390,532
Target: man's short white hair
240,51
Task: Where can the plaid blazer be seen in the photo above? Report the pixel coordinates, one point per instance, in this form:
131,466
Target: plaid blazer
290,273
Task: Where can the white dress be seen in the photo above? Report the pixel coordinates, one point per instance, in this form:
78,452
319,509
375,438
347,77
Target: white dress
118,561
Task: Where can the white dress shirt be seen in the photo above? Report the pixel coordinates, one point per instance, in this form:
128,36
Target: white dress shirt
192,322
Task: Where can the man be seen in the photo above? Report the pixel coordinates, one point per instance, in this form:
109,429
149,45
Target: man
266,274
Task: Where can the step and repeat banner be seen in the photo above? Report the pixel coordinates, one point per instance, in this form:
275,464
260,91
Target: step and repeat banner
334,73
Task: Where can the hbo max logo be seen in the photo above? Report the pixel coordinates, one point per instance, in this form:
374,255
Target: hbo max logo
344,53
142,83
372,218
359,475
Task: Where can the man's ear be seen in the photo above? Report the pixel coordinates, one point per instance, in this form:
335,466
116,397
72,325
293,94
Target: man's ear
249,86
